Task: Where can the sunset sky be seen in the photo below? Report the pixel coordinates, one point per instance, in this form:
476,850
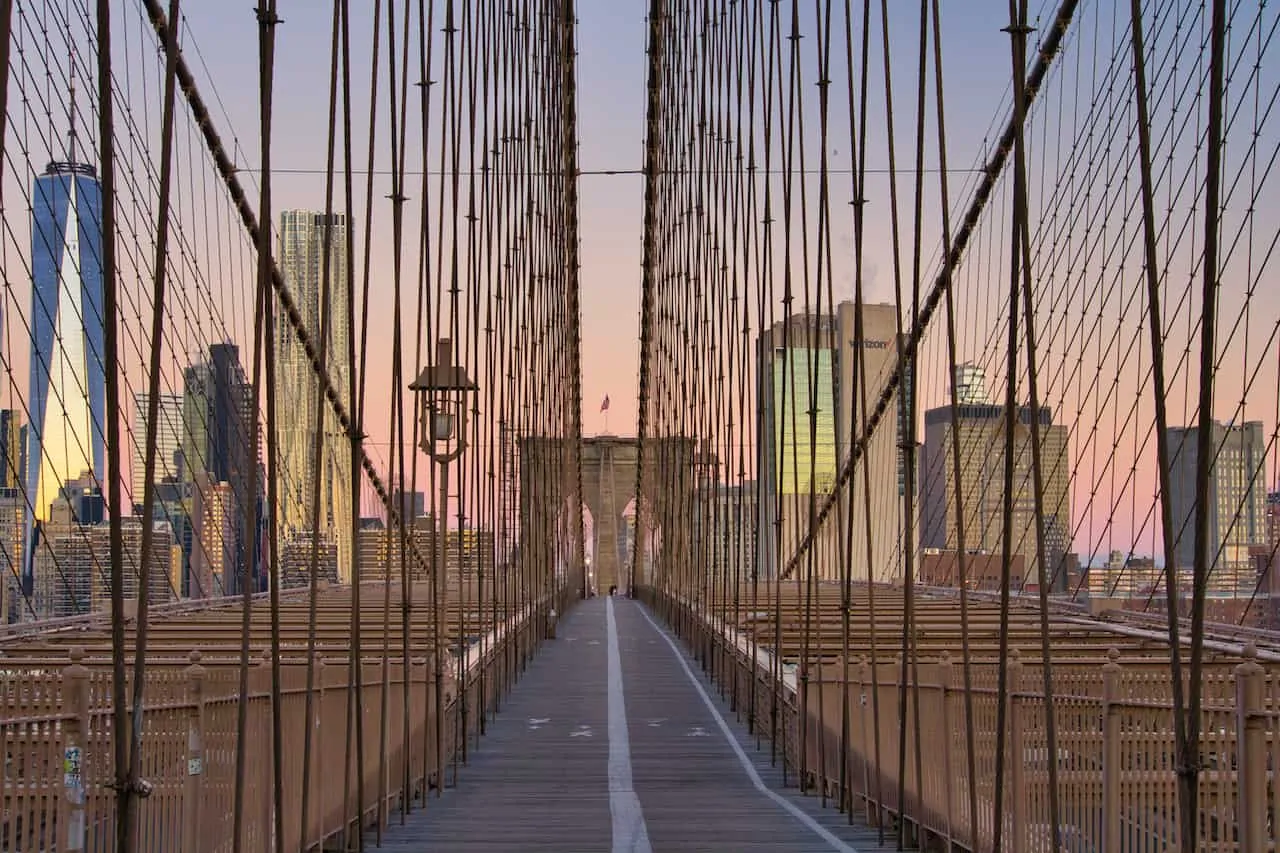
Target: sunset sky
1087,260
611,80
1113,456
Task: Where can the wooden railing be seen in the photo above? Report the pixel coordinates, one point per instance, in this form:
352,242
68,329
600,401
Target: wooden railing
57,741
1116,757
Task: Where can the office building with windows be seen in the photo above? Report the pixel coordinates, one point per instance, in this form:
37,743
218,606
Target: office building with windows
68,379
67,394
303,238
1236,500
220,450
978,496
168,441
806,387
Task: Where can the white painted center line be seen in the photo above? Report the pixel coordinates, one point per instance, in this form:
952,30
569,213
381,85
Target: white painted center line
629,832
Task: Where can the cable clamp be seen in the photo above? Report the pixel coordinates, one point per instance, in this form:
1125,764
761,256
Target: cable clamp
267,16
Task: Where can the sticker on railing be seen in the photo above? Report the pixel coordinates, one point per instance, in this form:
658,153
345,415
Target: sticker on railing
72,780
195,766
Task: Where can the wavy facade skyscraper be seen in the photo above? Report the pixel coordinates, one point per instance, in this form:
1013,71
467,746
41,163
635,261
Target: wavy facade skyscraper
302,241
68,380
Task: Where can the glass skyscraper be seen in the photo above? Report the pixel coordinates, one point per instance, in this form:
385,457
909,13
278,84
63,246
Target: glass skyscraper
68,380
805,364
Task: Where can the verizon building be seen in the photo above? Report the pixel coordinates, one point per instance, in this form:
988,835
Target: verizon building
805,369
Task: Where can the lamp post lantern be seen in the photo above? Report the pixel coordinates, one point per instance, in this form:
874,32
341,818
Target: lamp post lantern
443,390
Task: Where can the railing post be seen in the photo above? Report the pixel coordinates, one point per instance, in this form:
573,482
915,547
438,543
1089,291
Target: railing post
262,692
870,805
318,764
75,680
191,804
1111,710
944,690
1017,753
1251,753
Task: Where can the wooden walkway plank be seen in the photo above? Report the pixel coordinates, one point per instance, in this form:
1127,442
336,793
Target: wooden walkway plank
546,779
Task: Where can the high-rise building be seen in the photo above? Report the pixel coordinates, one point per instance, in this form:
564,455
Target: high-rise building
13,518
303,237
197,419
970,384
168,441
64,568
63,559
1273,519
13,446
13,511
68,379
1236,501
219,448
380,552
295,559
215,527
73,563
981,433
160,563
410,505
731,540
796,460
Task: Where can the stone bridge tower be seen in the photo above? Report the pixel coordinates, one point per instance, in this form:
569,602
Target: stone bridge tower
608,486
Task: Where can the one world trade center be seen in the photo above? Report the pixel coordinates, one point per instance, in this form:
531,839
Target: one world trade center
68,380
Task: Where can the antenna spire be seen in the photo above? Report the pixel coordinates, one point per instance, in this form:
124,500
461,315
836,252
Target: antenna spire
71,123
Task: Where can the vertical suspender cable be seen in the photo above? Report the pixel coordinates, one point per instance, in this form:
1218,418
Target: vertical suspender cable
858,419
153,406
356,395
648,267
423,321
1155,321
904,350
569,142
326,273
956,459
106,158
907,430
267,21
6,46
1189,771
1019,32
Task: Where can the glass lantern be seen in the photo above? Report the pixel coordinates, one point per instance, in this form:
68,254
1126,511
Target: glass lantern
444,390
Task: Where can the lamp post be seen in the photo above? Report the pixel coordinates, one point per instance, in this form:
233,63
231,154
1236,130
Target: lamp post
443,390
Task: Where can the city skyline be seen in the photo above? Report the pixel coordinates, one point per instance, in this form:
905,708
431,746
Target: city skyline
1071,404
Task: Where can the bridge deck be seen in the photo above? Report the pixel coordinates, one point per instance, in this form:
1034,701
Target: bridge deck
613,741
